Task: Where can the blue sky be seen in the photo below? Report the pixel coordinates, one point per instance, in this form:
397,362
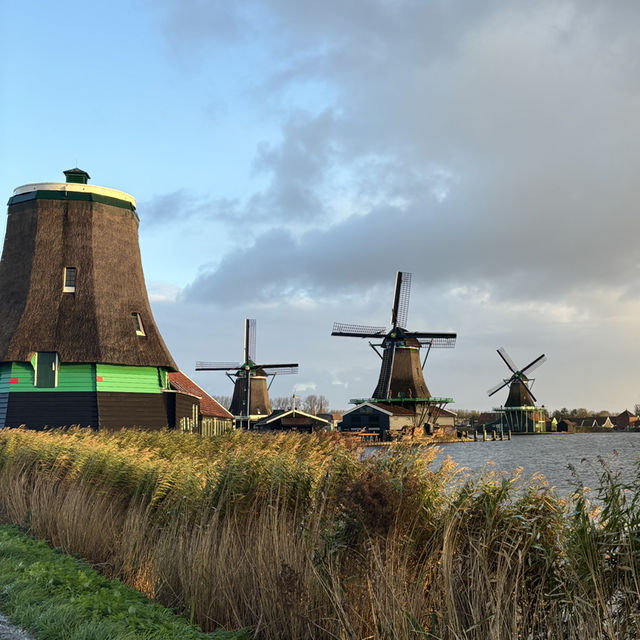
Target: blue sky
288,158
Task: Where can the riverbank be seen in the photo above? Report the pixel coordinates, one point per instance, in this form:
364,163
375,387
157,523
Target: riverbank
298,537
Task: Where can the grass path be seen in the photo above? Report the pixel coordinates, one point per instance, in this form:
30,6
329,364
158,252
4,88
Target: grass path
55,596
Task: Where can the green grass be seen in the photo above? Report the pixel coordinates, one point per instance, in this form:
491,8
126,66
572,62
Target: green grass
55,596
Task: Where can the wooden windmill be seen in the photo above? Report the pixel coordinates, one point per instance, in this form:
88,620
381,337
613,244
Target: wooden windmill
401,376
250,402
520,407
78,342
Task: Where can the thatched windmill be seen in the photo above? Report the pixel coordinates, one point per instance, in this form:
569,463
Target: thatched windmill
401,378
78,342
250,402
520,411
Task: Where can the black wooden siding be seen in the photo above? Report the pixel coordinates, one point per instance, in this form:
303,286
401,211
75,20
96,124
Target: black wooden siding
143,410
366,418
40,410
104,410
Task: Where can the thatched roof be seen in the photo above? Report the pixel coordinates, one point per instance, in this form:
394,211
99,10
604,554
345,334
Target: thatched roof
94,323
407,379
519,395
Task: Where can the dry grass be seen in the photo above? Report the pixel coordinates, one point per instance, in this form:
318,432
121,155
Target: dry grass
297,537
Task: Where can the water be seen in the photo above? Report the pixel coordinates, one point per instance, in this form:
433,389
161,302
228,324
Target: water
551,455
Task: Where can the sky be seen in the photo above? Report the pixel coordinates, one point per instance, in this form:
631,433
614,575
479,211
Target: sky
288,158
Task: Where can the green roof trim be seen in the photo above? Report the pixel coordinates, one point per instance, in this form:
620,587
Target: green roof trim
85,196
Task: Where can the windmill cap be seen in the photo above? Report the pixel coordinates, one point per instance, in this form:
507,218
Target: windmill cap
72,189
79,176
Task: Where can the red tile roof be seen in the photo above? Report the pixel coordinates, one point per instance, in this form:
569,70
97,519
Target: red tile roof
209,407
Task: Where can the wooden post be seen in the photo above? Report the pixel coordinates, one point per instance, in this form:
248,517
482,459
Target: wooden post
509,434
484,434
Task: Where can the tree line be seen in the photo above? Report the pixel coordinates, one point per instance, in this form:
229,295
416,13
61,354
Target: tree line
558,414
312,403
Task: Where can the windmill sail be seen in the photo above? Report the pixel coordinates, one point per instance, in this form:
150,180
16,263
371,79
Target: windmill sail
249,340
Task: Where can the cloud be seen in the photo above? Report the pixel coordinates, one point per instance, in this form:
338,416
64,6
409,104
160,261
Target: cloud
183,205
489,148
493,146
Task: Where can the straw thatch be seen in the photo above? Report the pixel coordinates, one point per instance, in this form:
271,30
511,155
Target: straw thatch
94,324
519,395
259,396
407,379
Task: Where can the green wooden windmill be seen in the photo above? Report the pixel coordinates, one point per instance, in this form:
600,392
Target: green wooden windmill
78,342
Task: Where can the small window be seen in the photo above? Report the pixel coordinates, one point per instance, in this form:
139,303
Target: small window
137,323
69,280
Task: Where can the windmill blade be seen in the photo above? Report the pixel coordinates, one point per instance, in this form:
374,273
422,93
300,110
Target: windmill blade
386,369
249,339
280,369
434,340
532,366
530,392
217,366
499,386
357,330
507,359
400,308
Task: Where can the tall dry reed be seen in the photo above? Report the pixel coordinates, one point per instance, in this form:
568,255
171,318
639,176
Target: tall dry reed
298,537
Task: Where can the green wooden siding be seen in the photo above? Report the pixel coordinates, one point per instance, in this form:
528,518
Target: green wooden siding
123,378
85,377
71,377
5,375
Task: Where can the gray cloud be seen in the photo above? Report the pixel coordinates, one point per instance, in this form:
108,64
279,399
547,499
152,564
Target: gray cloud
490,148
529,111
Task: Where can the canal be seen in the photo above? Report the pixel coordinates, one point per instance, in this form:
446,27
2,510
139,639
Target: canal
552,455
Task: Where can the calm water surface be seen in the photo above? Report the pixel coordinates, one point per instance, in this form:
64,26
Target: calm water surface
551,455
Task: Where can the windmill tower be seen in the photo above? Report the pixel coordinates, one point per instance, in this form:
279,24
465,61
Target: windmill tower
78,342
521,415
250,402
401,378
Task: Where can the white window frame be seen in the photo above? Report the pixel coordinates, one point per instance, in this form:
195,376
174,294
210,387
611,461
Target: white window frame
65,287
137,323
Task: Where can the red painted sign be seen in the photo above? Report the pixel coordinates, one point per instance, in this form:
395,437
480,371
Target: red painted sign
14,380
99,379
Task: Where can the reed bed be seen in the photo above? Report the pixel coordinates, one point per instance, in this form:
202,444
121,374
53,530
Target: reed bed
297,536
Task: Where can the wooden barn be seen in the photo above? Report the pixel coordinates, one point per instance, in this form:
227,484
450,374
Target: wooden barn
625,421
293,420
383,420
78,342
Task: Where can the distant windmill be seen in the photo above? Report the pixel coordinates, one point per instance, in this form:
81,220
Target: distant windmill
250,402
520,394
521,400
401,372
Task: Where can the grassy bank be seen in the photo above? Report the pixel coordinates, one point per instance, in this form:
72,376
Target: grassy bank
296,537
57,596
